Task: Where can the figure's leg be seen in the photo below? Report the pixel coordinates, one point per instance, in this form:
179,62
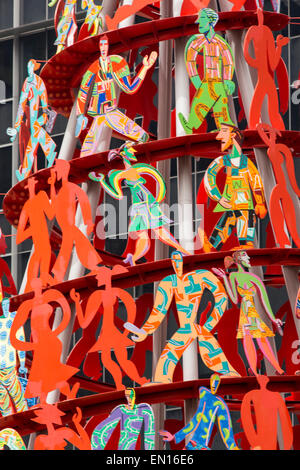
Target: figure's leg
113,368
222,230
128,367
250,351
256,104
172,353
290,217
126,126
142,246
277,217
93,137
273,108
166,237
48,145
87,254
220,108
267,351
62,261
225,427
201,105
30,155
14,389
245,228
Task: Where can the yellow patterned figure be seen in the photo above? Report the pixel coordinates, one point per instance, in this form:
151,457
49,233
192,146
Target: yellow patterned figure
11,438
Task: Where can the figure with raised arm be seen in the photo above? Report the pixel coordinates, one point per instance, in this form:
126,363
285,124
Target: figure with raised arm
213,90
145,212
47,373
187,290
65,23
246,285
281,206
64,204
131,418
35,94
267,55
33,224
110,338
242,198
199,429
100,80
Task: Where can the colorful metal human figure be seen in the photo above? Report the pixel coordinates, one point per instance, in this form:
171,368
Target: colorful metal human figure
65,23
57,438
262,413
11,438
247,285
100,80
11,393
131,418
65,203
47,373
243,195
199,429
35,94
33,224
267,55
93,18
281,207
213,90
145,211
110,338
187,290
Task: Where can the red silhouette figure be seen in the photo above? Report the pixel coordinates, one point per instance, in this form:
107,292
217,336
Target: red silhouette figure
268,406
47,373
110,337
9,289
33,224
58,438
65,204
281,206
266,60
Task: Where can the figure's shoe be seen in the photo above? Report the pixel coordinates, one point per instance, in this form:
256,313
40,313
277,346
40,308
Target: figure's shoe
51,159
185,124
129,260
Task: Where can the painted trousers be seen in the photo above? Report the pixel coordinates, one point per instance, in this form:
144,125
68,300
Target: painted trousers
11,393
243,220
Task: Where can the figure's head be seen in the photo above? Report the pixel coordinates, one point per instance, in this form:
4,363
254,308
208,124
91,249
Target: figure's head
260,16
48,414
229,135
262,380
36,284
84,4
130,397
207,19
215,380
177,262
31,182
126,152
32,66
267,133
104,46
62,169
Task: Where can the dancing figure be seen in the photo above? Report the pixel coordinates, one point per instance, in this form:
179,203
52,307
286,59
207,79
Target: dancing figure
145,212
247,285
212,92
281,206
64,204
200,428
58,437
100,79
131,417
65,23
187,289
93,18
33,224
265,61
11,393
11,438
266,409
243,195
47,373
110,337
34,92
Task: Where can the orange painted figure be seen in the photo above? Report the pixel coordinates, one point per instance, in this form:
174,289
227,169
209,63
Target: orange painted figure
267,407
281,206
266,58
110,337
33,224
58,438
64,204
47,373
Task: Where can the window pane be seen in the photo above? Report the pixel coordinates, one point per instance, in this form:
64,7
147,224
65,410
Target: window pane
6,54
6,14
32,47
5,122
32,11
5,173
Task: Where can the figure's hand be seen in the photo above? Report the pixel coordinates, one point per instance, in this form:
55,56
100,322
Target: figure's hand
76,418
296,84
225,203
81,124
141,334
89,227
229,86
219,272
148,62
23,370
166,435
75,296
261,211
52,178
96,176
278,324
282,40
12,132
